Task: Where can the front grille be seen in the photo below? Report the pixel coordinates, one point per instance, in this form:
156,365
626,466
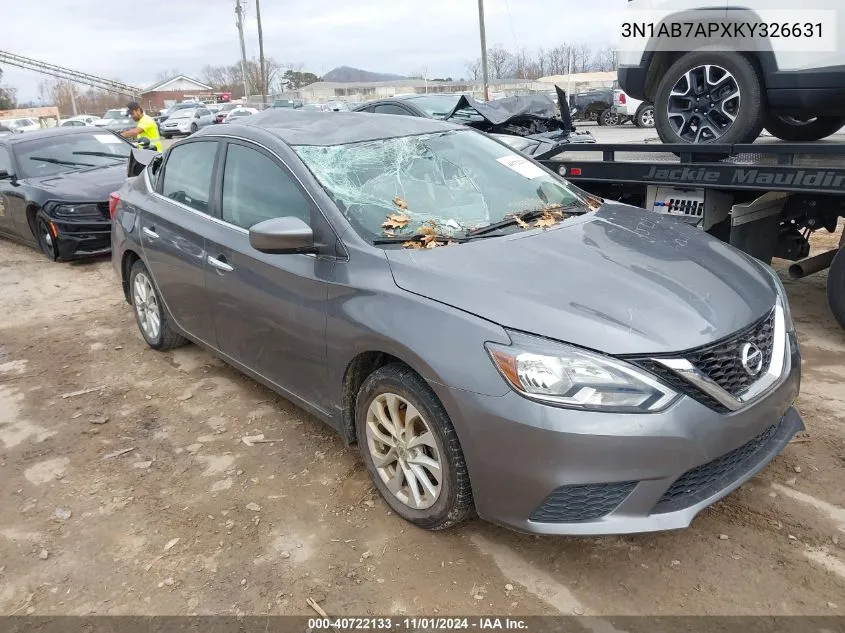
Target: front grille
103,207
721,362
701,482
570,504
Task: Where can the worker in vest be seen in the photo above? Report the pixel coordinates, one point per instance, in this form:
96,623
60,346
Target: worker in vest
147,128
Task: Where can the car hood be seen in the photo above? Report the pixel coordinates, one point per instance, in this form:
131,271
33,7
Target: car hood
90,185
620,281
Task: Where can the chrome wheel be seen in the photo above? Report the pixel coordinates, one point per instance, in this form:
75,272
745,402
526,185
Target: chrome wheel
704,104
404,451
647,117
146,306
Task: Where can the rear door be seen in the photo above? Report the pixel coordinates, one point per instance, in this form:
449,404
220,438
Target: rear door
269,310
173,233
7,224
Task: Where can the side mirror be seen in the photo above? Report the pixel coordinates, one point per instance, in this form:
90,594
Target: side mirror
282,236
4,175
143,142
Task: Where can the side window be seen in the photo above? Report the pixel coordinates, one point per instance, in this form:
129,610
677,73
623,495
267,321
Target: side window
389,108
203,112
256,188
5,161
187,174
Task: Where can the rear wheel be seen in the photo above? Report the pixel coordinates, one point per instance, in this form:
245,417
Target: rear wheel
802,130
46,239
836,287
609,117
150,313
644,117
709,97
193,127
411,450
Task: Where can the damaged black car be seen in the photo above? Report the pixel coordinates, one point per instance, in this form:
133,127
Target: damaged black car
55,186
531,124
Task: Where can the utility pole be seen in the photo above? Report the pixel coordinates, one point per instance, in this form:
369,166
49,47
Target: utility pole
483,50
261,53
239,11
72,97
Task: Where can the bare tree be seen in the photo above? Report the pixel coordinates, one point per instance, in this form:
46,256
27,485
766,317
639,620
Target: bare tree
606,59
499,60
57,92
7,95
582,57
271,73
557,60
473,69
167,74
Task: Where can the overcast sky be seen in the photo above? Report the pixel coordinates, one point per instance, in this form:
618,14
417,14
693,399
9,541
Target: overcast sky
108,38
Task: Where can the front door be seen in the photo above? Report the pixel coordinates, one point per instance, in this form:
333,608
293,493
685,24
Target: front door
173,233
269,310
11,200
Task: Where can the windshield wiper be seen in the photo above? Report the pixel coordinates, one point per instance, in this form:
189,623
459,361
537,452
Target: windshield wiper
415,237
56,161
525,216
103,154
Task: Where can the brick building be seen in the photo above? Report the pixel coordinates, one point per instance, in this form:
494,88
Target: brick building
165,93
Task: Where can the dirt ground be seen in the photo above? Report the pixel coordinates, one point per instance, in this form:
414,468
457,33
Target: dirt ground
141,498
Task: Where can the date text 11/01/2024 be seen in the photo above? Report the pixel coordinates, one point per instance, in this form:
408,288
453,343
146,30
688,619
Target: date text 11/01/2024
416,623
729,30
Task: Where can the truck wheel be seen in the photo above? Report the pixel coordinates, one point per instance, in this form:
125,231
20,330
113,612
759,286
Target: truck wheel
609,117
644,116
790,128
709,96
836,288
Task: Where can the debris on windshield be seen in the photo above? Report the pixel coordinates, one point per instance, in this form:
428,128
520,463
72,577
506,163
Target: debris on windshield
546,220
396,221
399,202
429,236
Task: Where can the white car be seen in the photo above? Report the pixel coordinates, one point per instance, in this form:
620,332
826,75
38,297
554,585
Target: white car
238,113
81,120
640,112
727,90
21,125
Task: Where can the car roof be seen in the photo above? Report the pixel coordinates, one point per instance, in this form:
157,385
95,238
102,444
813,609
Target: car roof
309,127
53,132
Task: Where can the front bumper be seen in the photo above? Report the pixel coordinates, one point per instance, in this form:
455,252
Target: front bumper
545,470
76,240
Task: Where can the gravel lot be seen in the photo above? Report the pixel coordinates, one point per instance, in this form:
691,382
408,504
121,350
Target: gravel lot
140,497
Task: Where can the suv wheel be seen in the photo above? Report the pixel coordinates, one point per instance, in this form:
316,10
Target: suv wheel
709,96
609,117
644,116
801,130
411,450
150,313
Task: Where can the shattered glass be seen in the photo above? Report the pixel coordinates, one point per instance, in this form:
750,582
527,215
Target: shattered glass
453,180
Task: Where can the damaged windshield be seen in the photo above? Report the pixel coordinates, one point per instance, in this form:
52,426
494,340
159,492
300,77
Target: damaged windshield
452,183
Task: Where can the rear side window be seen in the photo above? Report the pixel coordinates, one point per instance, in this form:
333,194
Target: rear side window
5,161
187,174
256,188
389,108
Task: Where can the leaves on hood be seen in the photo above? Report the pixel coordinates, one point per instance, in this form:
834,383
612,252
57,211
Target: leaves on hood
521,223
546,220
399,202
396,221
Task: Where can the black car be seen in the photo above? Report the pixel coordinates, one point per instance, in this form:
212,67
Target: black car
594,105
55,186
529,123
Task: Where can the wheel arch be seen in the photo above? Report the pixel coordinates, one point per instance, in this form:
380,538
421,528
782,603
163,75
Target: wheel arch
126,262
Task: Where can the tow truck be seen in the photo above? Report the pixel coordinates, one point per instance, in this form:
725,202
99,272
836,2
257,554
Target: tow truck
764,198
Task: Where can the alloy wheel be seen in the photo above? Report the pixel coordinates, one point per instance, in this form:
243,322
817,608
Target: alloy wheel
146,306
404,451
704,104
647,117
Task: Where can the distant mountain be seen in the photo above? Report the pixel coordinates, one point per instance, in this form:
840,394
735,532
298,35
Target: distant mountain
345,74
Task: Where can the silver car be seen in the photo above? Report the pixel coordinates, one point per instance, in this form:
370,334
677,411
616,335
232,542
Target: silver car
186,121
494,339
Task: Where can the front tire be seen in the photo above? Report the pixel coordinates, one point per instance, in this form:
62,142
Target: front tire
411,450
193,127
836,287
709,97
46,240
150,312
792,129
609,117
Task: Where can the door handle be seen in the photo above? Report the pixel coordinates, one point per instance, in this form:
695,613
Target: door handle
219,264
150,233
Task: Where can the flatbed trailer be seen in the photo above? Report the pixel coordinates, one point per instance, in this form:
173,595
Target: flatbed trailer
765,198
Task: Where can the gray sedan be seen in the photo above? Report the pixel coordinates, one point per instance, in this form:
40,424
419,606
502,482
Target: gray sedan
186,121
494,339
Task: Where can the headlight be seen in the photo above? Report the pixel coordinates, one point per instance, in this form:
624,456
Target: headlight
784,300
568,377
77,212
